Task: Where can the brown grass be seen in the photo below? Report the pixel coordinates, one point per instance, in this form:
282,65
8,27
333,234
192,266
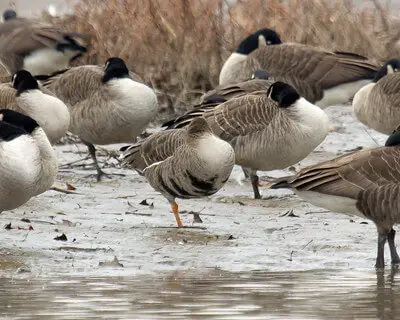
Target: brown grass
179,46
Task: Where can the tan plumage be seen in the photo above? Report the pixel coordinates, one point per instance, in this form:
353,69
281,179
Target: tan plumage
25,96
105,104
37,47
259,82
268,129
183,163
365,183
377,105
322,77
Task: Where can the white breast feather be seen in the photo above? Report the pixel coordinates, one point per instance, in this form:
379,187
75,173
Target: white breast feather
360,101
234,61
136,99
216,152
50,113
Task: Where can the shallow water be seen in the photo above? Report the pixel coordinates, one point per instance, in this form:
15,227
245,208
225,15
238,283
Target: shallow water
205,294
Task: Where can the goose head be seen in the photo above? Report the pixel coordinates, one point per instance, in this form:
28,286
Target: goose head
9,14
257,39
19,120
394,138
260,74
115,68
23,81
9,132
283,93
391,66
198,127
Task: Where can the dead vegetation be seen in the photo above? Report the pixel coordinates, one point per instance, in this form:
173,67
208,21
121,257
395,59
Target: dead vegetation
179,46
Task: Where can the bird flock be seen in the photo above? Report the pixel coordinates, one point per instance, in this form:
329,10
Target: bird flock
266,114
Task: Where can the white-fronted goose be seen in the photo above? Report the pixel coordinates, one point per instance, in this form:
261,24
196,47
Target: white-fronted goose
270,129
37,47
105,104
23,95
322,77
377,105
183,163
28,162
364,183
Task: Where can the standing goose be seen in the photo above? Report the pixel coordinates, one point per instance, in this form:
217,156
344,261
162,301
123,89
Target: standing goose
28,162
23,95
37,47
364,183
270,129
105,104
377,105
322,77
183,163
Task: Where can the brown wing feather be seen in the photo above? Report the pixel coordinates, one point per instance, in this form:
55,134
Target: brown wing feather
317,67
238,89
75,84
157,147
350,173
235,117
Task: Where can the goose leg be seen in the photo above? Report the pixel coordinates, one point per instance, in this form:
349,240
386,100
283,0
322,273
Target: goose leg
393,252
380,259
255,184
175,210
92,152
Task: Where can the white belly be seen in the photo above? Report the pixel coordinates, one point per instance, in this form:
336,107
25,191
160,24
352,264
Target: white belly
332,203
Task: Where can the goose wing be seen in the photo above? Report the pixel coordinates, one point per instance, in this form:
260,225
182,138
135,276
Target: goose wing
236,117
316,67
229,91
349,174
75,84
7,98
157,147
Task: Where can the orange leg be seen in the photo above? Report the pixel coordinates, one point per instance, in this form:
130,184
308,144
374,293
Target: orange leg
174,207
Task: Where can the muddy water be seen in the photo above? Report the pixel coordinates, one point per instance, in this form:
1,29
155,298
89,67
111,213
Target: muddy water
205,294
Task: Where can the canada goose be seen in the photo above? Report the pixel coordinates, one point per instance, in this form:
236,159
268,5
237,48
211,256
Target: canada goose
377,104
28,162
105,104
365,183
269,129
37,47
322,77
183,163
24,95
